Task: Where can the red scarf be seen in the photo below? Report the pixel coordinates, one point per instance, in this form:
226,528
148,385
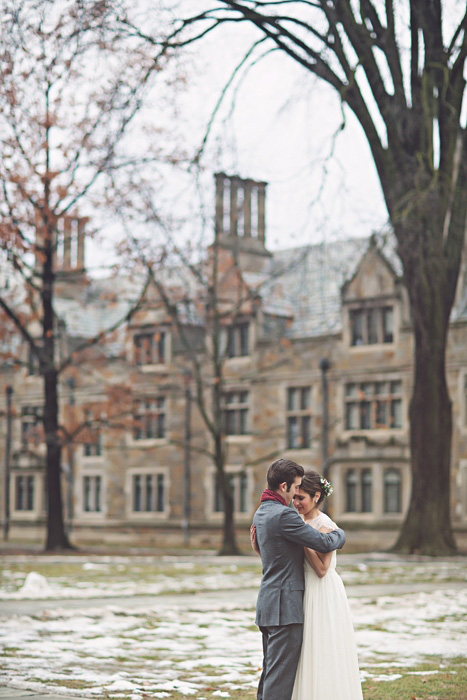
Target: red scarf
269,495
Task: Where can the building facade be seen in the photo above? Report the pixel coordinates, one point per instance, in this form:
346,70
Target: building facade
317,367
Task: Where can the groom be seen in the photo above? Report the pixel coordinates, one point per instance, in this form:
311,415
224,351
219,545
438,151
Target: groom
281,536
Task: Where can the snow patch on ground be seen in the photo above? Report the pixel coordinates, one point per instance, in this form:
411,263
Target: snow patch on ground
119,651
35,586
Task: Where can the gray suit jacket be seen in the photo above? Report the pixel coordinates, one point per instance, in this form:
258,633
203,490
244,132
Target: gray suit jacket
281,535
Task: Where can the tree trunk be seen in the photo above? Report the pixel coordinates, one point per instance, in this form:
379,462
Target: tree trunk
56,536
427,528
229,540
229,544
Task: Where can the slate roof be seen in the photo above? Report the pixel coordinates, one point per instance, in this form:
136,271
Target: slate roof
85,320
310,279
304,283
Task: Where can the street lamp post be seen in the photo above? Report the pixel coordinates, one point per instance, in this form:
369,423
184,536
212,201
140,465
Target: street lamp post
71,460
187,460
324,366
6,522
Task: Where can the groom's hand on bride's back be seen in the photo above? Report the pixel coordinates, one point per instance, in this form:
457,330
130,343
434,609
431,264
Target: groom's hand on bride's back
253,540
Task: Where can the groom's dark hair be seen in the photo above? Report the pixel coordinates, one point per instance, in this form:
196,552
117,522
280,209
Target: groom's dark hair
283,470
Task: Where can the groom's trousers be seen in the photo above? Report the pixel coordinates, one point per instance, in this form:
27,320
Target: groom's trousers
281,653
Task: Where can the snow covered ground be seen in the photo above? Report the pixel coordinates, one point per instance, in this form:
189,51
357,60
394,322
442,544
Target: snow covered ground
64,577
110,576
123,651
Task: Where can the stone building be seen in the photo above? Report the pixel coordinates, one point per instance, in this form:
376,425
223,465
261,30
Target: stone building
318,368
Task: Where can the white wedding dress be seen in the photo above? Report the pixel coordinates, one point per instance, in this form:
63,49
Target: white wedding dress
328,666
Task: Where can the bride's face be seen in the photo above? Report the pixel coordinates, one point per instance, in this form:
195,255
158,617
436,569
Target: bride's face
303,502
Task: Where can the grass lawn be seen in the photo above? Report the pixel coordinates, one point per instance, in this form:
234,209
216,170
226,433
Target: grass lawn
422,683
436,679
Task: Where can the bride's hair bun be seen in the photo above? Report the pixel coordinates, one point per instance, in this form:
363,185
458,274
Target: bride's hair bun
312,482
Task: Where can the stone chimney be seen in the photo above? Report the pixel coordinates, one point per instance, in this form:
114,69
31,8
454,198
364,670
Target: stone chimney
69,255
240,219
70,244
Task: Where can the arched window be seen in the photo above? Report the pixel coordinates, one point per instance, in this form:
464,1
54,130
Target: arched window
367,488
351,491
392,491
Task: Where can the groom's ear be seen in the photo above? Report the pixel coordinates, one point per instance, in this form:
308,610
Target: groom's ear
283,486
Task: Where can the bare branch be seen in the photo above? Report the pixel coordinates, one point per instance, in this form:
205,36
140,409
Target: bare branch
21,328
220,100
90,342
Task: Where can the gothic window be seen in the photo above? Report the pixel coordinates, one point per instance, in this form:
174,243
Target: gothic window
351,483
239,486
236,413
359,491
371,325
373,405
150,348
148,493
298,417
392,491
367,490
242,493
238,340
93,436
33,368
149,418
388,324
24,496
92,494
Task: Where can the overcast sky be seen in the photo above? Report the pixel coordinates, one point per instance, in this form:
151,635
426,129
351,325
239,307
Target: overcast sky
282,129
277,123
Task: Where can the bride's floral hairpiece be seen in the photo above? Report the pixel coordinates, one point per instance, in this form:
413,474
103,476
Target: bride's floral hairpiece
327,487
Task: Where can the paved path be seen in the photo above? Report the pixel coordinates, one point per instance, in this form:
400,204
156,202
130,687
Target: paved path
240,598
14,694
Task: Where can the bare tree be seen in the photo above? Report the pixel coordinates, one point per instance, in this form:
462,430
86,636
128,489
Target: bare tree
211,309
71,82
400,68
202,300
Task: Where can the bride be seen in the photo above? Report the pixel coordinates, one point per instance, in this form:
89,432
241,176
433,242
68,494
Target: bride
328,666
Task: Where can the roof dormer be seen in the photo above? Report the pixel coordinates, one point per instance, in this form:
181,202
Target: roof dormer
371,302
